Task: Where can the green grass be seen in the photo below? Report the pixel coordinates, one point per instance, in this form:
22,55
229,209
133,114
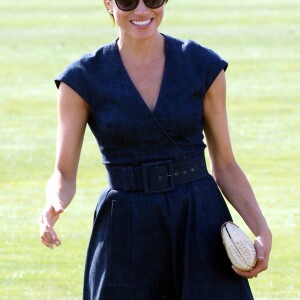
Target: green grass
261,41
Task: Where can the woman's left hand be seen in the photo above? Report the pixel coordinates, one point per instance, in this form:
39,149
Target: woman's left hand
263,244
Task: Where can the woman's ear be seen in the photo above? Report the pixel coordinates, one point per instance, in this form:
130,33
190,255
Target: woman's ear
107,4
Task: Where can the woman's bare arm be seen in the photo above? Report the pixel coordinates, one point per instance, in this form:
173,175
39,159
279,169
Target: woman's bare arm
229,176
61,187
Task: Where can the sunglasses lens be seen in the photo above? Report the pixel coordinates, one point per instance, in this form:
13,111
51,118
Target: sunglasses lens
154,3
127,5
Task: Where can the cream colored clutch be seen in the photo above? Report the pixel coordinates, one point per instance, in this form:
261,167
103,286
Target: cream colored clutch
239,247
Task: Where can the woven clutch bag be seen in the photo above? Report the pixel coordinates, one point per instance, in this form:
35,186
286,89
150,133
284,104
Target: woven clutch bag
238,246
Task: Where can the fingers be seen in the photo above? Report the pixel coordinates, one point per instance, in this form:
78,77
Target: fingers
259,251
263,246
247,274
47,234
49,237
261,265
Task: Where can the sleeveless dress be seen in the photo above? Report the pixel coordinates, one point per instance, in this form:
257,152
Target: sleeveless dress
152,240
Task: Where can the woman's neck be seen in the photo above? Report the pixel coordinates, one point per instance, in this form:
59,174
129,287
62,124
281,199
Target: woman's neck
142,50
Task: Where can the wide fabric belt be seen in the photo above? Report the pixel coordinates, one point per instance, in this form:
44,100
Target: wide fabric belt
156,177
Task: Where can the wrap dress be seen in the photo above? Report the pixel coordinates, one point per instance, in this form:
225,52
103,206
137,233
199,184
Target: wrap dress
156,230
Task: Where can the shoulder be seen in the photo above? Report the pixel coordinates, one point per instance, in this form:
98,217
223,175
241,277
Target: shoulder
81,74
84,67
195,54
191,47
89,61
195,60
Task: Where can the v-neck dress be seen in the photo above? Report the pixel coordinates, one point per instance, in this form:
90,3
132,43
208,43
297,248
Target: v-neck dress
163,245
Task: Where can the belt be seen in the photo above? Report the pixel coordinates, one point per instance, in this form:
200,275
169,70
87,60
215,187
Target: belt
156,177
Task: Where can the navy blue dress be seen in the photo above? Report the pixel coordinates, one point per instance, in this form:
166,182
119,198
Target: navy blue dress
156,231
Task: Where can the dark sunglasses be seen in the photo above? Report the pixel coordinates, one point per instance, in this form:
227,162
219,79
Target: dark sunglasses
127,5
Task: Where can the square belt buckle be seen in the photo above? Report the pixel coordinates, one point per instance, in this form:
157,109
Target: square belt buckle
158,177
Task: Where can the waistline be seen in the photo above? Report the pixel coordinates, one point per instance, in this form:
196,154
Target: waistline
156,177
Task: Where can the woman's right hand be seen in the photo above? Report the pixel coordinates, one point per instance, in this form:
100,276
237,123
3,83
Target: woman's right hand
49,216
73,114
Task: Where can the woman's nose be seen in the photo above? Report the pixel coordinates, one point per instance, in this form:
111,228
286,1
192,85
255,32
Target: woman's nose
141,7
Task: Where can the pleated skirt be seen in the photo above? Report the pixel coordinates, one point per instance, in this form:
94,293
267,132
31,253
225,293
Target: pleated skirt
161,246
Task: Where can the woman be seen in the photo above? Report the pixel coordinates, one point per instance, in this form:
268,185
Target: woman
148,98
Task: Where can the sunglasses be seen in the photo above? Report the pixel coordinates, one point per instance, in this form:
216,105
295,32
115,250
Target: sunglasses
127,5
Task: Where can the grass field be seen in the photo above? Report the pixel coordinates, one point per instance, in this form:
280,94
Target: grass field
261,41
